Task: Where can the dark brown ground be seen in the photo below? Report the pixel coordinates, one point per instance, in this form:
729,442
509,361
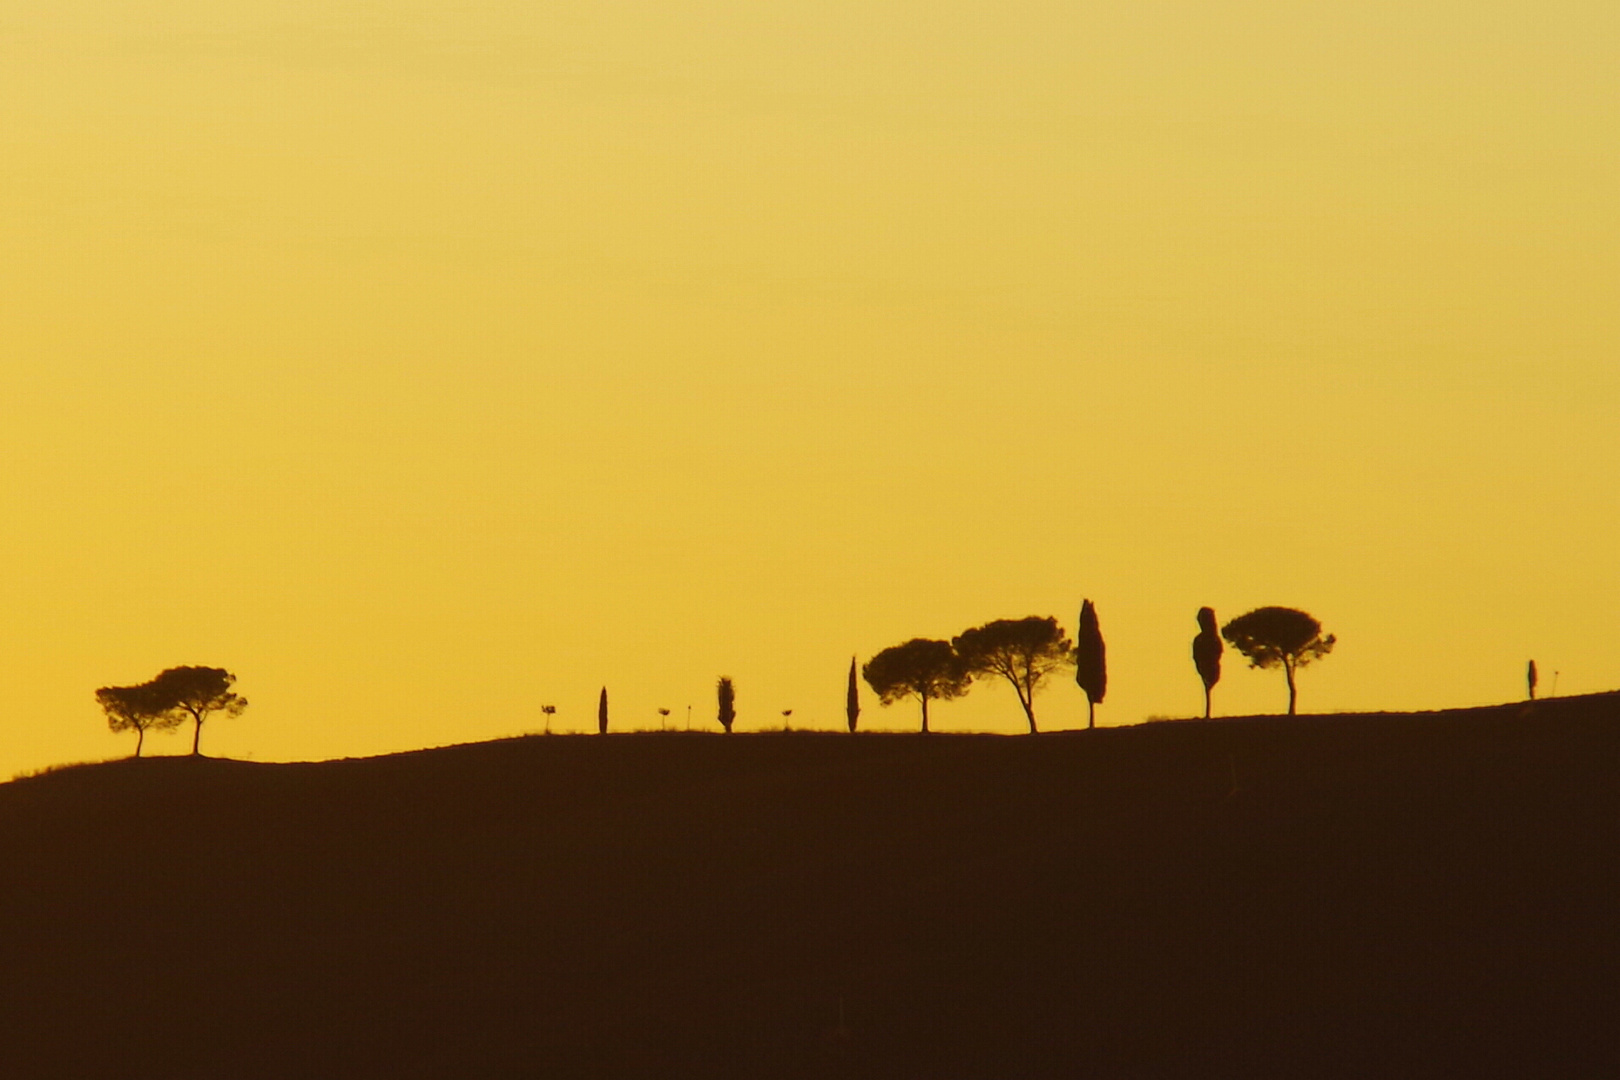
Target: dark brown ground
1393,895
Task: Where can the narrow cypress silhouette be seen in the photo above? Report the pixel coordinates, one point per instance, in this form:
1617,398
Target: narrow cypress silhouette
1206,650
601,713
727,695
852,700
1530,677
1090,661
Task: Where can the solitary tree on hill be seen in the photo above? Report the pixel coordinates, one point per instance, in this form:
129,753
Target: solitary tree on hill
197,692
1529,678
922,668
1091,661
1022,651
137,709
1206,651
727,697
852,699
602,713
1279,637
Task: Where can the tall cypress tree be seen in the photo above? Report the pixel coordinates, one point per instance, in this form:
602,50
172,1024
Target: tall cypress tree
1090,661
601,713
852,700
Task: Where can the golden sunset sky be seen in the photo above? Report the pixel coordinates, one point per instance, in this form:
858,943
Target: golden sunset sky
424,363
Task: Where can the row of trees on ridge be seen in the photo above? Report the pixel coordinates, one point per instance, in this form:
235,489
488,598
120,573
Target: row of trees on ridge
1027,652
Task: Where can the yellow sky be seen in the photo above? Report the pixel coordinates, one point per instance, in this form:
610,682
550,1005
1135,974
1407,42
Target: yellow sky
424,363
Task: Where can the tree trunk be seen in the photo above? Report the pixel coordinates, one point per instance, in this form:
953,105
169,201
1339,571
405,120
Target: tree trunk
196,738
1206,701
1091,713
925,714
1288,669
1027,700
139,739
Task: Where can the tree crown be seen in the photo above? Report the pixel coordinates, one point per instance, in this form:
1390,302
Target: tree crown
1024,650
922,667
136,708
1207,648
1272,636
198,691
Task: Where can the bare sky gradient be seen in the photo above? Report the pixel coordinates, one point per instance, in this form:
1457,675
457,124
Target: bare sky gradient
423,363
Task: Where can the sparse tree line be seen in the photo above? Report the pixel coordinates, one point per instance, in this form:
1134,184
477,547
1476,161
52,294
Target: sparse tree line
1027,652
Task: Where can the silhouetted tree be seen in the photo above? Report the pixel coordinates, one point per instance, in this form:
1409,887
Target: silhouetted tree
1529,677
1207,651
1022,651
601,713
1091,661
137,709
921,668
1278,636
198,692
727,695
852,699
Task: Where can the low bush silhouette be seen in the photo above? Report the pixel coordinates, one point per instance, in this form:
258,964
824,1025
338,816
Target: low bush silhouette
726,694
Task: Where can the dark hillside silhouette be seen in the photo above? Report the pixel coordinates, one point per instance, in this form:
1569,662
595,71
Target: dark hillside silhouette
1206,651
1402,896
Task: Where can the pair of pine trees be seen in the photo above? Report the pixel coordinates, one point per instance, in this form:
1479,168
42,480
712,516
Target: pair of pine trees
168,700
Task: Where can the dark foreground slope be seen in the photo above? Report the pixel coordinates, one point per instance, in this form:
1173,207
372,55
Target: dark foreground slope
1428,895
